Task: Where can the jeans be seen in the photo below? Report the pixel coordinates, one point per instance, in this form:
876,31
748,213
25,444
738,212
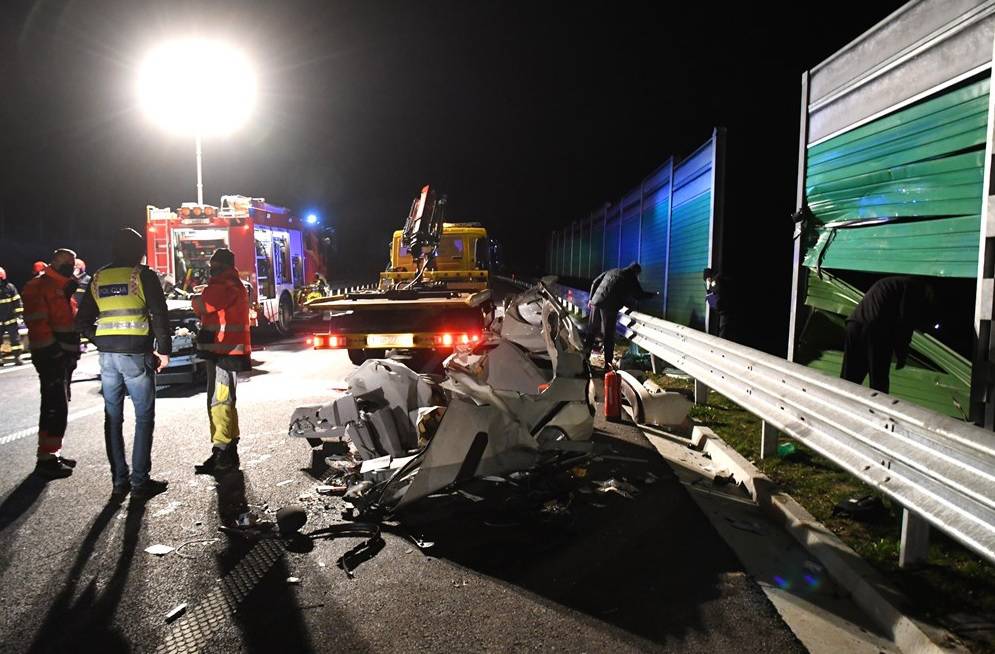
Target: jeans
133,372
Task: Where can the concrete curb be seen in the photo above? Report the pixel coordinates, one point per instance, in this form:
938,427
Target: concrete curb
868,588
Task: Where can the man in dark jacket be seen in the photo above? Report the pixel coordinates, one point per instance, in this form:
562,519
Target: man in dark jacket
609,292
124,314
882,325
720,298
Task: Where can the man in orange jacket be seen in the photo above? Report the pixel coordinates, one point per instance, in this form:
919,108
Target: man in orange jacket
224,342
54,344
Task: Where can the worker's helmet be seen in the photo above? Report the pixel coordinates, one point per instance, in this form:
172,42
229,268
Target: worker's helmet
3,274
38,266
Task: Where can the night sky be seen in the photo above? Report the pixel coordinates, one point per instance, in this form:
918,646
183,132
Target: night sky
527,114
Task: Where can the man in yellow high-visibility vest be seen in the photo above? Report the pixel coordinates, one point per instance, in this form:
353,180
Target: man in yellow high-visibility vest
124,314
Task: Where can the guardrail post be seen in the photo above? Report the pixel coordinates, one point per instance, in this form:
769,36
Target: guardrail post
700,392
653,364
914,547
769,435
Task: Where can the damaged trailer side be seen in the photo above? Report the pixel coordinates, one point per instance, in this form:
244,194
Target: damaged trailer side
503,406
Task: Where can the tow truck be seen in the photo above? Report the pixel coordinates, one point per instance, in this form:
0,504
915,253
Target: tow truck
433,297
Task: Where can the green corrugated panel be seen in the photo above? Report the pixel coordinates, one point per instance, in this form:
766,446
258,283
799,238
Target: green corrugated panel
919,173
944,248
688,256
933,390
585,252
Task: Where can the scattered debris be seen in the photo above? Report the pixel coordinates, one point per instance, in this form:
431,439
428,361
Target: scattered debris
555,507
174,614
199,541
865,509
461,583
246,519
471,496
327,489
408,551
293,580
650,478
159,550
285,482
623,488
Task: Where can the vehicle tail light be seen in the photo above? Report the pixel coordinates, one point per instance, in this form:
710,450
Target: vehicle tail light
447,339
328,342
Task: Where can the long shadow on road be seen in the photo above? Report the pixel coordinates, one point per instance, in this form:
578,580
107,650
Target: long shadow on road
87,620
15,509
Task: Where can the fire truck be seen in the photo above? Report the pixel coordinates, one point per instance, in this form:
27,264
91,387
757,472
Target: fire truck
275,253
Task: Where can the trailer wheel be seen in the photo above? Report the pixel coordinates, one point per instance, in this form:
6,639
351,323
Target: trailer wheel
357,356
284,315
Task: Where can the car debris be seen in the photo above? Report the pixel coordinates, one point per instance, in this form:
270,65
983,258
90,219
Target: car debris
159,550
176,613
518,401
619,487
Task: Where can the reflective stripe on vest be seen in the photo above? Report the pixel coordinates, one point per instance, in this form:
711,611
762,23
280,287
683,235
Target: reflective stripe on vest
120,300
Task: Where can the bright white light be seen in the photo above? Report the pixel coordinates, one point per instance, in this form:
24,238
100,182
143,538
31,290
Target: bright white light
936,326
197,86
312,219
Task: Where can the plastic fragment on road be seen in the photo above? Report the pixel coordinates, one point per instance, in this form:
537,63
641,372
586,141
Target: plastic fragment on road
176,612
293,580
617,486
330,489
285,482
471,496
159,550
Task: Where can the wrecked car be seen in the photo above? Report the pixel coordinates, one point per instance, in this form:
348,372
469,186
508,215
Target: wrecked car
521,398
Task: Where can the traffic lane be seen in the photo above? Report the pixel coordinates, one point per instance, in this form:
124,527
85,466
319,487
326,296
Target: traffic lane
63,548
75,556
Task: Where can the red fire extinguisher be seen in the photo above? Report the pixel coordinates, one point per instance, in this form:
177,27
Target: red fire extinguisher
613,396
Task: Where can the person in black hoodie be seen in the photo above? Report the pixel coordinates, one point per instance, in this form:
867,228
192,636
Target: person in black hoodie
609,292
124,314
881,326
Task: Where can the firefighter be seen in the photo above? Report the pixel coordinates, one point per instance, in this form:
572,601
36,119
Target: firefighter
82,279
11,311
126,303
224,342
54,344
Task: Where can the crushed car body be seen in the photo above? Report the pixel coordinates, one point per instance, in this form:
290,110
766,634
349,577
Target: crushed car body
520,398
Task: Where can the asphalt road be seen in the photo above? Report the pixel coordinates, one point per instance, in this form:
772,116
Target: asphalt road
609,573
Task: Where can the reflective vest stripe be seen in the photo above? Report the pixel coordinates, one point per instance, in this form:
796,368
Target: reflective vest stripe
122,312
8,300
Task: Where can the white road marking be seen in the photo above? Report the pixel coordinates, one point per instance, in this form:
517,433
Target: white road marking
31,431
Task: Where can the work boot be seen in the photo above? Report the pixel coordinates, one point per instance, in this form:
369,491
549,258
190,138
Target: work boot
52,469
149,489
220,462
66,462
120,490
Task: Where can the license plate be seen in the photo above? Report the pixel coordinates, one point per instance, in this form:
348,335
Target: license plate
390,340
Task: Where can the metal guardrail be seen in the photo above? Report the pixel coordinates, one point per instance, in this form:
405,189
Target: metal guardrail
940,469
